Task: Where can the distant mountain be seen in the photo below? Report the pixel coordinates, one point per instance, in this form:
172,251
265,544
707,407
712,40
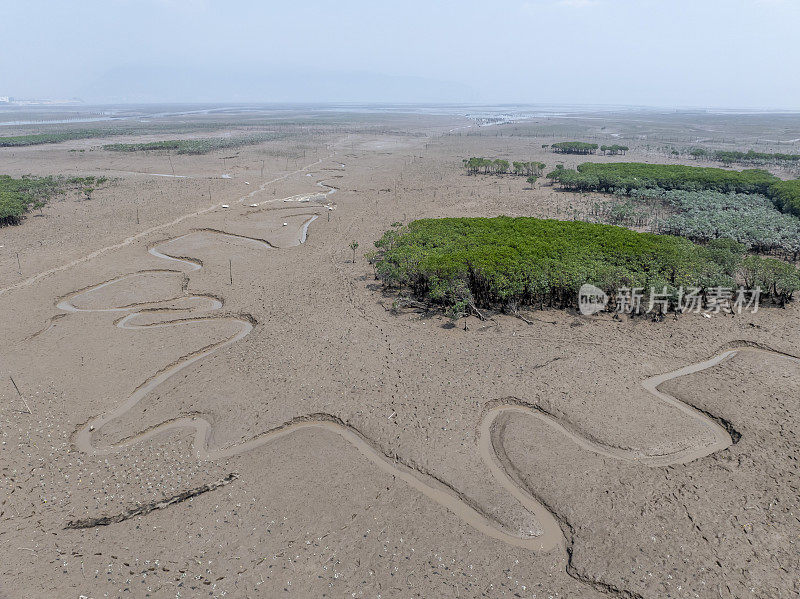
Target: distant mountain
138,84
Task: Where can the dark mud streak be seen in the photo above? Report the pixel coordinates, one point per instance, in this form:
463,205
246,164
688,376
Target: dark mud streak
143,510
736,436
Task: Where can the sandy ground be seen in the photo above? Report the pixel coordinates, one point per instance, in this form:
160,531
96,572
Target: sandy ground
221,405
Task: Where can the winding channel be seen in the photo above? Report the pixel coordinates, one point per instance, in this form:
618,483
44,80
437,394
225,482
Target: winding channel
489,429
142,234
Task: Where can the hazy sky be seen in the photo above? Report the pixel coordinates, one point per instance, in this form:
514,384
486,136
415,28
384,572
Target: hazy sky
723,53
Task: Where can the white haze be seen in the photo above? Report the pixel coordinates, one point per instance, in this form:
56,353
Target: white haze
681,53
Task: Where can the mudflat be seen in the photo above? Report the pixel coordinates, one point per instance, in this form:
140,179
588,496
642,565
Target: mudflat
206,392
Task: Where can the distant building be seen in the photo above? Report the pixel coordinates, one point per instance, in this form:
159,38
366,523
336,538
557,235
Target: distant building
5,99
